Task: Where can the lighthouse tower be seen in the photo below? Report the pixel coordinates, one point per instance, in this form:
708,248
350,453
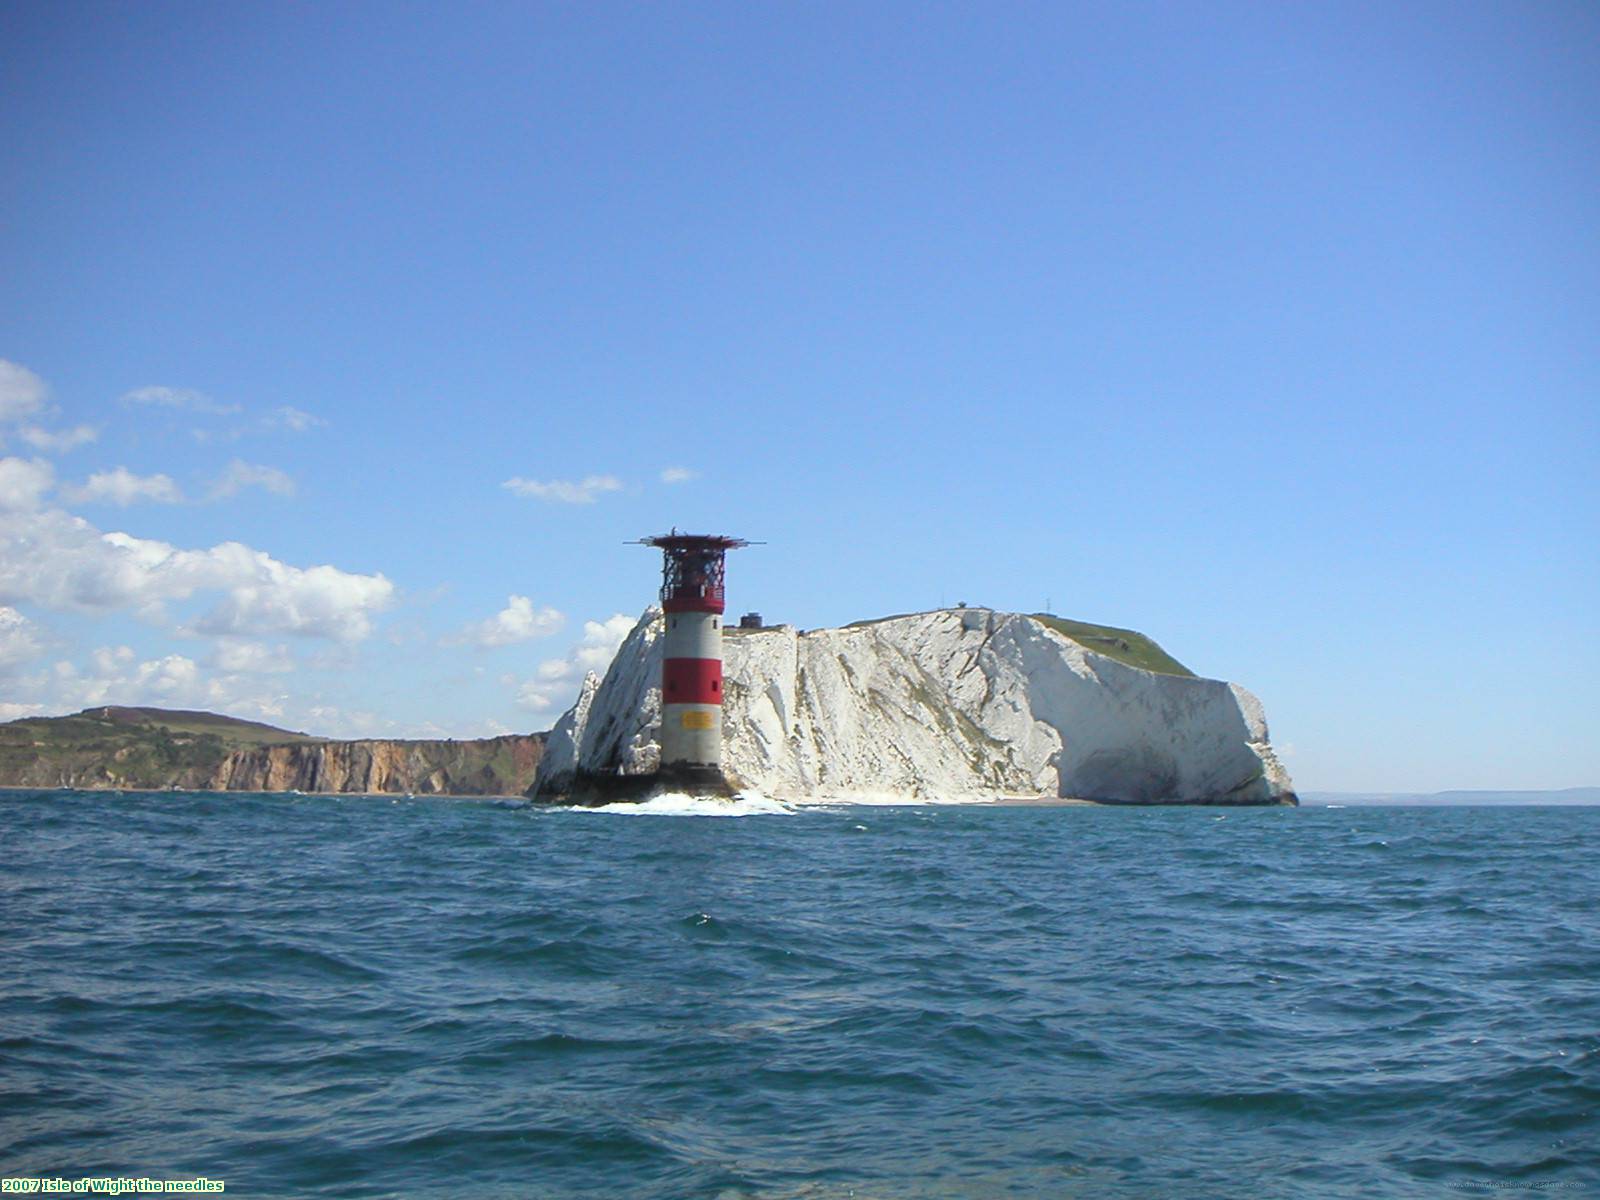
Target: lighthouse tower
691,675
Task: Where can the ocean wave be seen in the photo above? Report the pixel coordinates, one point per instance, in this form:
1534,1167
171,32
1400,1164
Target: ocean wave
681,804
349,998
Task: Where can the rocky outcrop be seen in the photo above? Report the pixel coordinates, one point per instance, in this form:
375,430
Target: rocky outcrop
502,766
966,704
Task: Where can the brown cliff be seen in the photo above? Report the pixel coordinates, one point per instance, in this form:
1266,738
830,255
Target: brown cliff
502,766
153,748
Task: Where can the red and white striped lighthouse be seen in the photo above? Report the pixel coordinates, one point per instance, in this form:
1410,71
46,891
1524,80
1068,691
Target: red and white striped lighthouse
691,675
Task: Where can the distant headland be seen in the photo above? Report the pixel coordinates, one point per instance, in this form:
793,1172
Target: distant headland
963,704
144,749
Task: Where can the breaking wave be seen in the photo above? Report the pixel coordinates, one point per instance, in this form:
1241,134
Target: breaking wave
682,804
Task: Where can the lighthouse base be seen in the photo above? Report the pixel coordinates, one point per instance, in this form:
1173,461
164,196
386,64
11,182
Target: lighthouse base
702,781
590,789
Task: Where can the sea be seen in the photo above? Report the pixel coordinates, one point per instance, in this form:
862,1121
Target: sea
308,996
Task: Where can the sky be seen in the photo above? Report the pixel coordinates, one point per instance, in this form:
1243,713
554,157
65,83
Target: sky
344,348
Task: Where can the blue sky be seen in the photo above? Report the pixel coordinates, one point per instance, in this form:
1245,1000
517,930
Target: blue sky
1269,330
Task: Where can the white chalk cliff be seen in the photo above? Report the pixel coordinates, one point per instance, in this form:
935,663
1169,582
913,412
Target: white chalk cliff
965,704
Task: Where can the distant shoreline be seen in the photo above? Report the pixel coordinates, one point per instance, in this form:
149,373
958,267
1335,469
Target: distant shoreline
1559,798
1458,798
127,791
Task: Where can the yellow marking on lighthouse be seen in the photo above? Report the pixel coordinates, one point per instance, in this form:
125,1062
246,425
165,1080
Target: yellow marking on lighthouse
696,720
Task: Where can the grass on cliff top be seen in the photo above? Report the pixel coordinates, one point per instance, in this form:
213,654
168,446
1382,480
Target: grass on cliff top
1126,646
157,748
115,725
125,747
230,729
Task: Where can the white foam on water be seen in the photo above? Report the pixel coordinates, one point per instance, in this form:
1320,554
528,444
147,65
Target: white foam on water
751,803
886,800
682,804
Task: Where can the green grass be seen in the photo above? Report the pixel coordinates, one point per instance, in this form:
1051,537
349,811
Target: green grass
1124,645
133,747
232,730
45,751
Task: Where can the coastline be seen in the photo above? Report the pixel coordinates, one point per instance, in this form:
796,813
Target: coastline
164,791
858,800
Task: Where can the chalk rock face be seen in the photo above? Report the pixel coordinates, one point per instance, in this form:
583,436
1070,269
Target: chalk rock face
965,704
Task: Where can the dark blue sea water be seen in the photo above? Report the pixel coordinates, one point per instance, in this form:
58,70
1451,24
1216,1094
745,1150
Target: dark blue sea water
361,997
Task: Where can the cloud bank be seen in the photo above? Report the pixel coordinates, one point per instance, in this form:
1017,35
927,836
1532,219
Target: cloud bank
182,399
241,475
517,622
583,491
122,487
61,562
22,393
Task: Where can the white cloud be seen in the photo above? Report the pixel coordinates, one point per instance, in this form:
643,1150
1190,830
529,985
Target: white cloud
584,491
280,420
184,399
518,621
63,563
555,679
109,660
678,475
23,483
114,675
331,721
11,711
22,393
20,641
266,596
241,475
206,436
536,697
231,682
172,676
601,640
58,441
122,488
293,419
239,657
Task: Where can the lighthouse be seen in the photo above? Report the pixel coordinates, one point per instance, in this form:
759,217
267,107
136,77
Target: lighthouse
693,569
